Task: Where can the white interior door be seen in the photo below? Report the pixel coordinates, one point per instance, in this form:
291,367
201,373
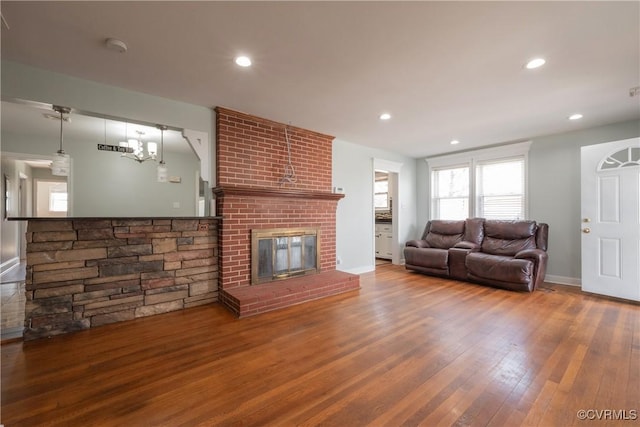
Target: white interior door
611,218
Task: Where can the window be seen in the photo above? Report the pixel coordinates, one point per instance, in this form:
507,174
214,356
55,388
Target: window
488,183
450,193
51,198
500,189
57,201
381,191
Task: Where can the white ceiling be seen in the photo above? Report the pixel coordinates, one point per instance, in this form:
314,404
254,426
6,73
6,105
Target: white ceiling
444,70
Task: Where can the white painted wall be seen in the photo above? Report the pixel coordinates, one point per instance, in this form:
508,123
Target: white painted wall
353,169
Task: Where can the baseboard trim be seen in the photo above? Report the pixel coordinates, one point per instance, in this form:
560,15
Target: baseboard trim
9,265
359,270
563,280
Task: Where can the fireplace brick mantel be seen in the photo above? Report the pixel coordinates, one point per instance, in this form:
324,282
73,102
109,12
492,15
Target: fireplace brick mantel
275,192
252,156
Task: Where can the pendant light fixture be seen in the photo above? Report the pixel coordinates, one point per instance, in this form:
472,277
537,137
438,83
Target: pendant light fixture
61,161
162,171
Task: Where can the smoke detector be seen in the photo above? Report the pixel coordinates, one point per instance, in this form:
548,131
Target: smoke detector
115,44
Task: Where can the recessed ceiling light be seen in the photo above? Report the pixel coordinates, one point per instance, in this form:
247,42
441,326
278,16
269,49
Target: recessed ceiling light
454,142
576,116
243,61
385,116
535,63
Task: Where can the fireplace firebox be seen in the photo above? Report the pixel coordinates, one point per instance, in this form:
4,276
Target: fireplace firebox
279,253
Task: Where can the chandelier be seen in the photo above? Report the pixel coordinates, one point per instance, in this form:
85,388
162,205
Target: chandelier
136,149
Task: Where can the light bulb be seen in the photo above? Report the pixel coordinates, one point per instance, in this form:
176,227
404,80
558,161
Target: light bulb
152,148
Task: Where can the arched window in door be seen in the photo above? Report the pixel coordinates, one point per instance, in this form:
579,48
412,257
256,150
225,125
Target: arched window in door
626,157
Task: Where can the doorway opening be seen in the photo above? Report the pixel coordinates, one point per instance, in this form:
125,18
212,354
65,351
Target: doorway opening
385,191
383,216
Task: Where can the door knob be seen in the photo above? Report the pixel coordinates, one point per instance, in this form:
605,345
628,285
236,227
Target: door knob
586,230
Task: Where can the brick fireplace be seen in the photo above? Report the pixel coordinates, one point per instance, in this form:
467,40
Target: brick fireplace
264,183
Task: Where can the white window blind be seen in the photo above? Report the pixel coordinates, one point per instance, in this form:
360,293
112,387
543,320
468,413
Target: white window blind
500,189
450,193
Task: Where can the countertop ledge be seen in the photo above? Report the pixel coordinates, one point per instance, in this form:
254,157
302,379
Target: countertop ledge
98,218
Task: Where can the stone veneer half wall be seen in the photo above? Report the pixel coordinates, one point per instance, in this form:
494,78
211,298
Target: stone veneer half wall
83,273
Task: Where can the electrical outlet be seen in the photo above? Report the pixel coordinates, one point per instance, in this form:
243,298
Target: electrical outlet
203,227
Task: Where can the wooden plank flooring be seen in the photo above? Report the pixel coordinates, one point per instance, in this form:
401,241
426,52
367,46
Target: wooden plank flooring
404,350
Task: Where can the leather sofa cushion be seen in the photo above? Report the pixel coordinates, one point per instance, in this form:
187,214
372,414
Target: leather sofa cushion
500,268
441,226
427,257
417,244
445,234
474,230
506,247
508,237
509,229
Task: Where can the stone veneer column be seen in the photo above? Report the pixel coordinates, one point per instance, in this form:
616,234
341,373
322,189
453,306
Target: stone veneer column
83,273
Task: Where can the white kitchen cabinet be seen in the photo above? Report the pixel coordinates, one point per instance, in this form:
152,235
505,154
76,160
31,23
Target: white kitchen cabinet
384,238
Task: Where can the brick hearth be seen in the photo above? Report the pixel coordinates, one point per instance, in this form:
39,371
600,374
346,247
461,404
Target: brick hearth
251,158
249,300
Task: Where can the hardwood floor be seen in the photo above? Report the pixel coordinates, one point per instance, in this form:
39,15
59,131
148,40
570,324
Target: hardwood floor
12,299
405,350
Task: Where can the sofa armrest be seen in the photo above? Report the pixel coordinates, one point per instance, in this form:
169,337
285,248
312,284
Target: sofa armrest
473,247
417,244
537,255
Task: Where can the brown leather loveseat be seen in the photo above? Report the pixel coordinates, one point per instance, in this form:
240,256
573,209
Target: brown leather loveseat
506,254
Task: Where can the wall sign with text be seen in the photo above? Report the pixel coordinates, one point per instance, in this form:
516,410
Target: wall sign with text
116,148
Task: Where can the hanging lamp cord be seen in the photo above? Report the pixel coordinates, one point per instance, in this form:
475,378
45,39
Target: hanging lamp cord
61,151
